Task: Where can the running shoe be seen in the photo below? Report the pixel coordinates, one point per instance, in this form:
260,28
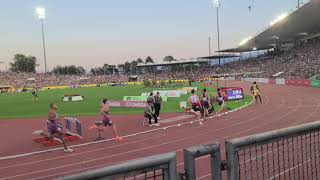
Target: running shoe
68,150
92,127
119,138
38,132
58,139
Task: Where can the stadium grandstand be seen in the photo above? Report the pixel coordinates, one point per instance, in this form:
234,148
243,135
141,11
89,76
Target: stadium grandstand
240,139
292,43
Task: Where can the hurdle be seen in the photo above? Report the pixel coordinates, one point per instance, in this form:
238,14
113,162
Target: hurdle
69,122
73,132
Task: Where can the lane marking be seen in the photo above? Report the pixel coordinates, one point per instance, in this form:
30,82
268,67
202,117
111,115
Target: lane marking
111,139
221,138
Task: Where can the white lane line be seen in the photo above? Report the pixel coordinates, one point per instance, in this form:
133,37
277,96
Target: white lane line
111,139
179,118
176,150
291,168
75,154
105,157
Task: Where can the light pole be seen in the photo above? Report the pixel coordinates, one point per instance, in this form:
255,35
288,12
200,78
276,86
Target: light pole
209,46
216,4
41,12
2,63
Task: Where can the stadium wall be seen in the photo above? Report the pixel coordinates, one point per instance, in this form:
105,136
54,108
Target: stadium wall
290,82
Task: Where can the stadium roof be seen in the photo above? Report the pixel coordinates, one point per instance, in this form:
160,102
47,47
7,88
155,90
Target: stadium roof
218,57
298,24
191,61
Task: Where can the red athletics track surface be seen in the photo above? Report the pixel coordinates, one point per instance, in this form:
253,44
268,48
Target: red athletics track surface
283,106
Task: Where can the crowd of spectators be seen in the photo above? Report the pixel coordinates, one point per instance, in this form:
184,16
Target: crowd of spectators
300,62
38,80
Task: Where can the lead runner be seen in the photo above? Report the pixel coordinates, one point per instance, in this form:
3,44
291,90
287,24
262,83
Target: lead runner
106,121
256,92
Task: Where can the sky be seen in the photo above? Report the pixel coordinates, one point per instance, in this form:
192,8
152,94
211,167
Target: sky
93,32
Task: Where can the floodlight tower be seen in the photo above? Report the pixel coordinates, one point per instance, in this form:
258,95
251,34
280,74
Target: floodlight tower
216,4
41,13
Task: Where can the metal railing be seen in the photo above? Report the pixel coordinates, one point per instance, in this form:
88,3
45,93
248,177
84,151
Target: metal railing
192,153
289,153
154,167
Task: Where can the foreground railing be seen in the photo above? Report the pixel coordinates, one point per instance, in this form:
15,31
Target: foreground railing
192,153
289,153
154,167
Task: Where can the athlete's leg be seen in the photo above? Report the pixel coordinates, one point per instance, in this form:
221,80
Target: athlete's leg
260,99
197,115
256,98
220,109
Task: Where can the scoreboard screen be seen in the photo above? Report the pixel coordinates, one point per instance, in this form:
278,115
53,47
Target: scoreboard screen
234,93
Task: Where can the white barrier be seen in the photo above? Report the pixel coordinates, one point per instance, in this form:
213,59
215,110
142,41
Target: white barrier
231,78
258,80
281,81
264,80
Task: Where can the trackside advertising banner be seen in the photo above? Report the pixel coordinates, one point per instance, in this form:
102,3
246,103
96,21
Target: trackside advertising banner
188,89
302,82
127,104
168,93
141,98
135,98
315,83
233,93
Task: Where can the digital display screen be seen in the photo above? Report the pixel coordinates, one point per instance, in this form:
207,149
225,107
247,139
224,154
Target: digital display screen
234,93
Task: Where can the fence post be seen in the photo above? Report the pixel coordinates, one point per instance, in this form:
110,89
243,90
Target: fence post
190,154
232,161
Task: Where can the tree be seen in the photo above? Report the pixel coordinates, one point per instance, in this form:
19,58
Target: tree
23,63
149,60
140,60
106,69
69,70
127,67
168,59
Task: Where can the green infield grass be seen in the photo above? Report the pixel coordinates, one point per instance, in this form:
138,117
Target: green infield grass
21,105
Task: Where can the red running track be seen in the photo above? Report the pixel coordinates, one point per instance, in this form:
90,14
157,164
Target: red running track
283,106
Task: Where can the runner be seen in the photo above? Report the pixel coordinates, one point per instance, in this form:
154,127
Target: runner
54,128
106,121
196,107
256,92
220,100
205,102
35,94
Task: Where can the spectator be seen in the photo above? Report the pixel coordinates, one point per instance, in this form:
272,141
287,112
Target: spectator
157,104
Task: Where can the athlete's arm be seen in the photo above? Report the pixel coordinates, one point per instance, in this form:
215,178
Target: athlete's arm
189,100
258,88
103,111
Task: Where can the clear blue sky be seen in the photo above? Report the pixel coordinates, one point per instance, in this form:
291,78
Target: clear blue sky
93,32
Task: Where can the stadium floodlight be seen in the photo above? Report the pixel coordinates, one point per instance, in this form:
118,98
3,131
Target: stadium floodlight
216,3
279,18
41,12
244,41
